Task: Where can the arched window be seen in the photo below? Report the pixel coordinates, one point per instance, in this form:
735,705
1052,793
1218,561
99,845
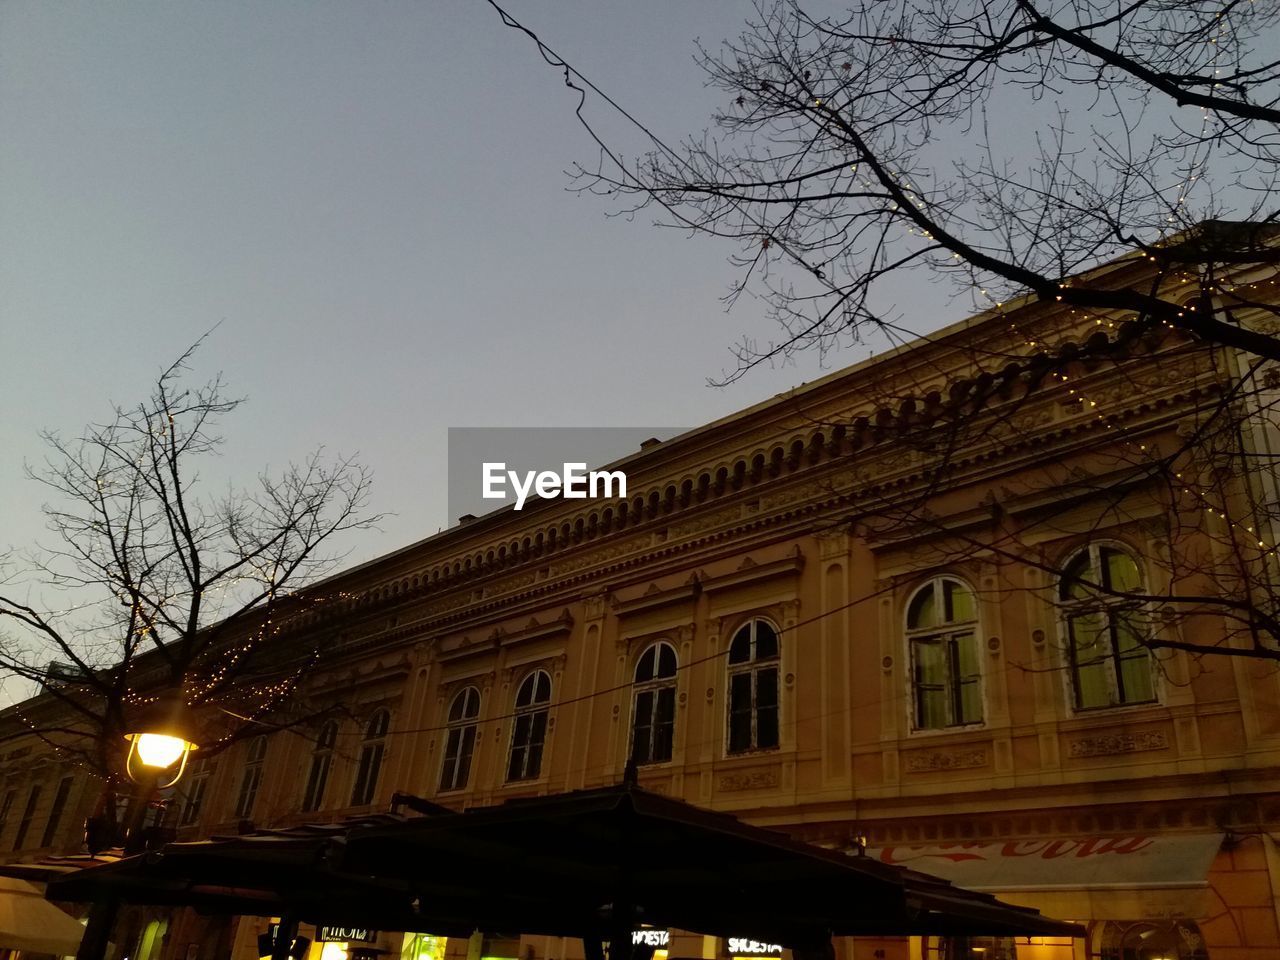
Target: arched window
321,761
371,750
754,659
653,704
461,740
946,669
529,731
1108,662
251,778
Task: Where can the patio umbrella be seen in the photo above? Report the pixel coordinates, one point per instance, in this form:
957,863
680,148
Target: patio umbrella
29,922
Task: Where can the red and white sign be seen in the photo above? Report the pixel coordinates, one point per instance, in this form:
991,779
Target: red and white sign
1056,863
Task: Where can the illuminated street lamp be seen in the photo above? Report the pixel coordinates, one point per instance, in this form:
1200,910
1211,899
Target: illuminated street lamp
160,740
160,743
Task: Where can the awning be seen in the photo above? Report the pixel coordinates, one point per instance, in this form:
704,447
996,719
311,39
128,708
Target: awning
1103,877
553,864
29,922
265,873
566,865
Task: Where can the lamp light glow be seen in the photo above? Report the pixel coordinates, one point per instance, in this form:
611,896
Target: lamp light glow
159,750
160,743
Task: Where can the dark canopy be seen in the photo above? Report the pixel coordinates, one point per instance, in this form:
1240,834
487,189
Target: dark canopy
564,865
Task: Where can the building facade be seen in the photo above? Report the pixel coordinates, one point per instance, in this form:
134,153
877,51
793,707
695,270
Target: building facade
969,606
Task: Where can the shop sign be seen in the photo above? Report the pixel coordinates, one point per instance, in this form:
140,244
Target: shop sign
650,938
742,947
330,934
1046,863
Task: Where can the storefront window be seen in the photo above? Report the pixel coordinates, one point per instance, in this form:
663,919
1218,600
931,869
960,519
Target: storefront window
1147,940
970,948
422,946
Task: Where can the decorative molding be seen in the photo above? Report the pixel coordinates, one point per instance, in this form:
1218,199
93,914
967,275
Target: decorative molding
481,681
833,544
457,648
937,760
533,630
655,597
1114,744
752,572
748,780
708,521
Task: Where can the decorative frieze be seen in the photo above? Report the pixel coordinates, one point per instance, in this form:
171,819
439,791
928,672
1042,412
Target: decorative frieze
748,780
941,760
1113,744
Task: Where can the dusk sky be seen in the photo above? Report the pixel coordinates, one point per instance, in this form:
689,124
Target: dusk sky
367,201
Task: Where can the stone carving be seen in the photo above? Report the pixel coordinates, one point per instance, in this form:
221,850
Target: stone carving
1112,744
749,780
707,521
954,760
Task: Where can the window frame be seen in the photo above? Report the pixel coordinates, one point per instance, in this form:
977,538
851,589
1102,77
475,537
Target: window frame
654,686
196,787
56,810
6,808
1071,609
320,768
533,711
251,777
28,815
373,752
950,634
462,735
754,667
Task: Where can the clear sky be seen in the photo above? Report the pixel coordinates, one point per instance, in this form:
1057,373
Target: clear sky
367,199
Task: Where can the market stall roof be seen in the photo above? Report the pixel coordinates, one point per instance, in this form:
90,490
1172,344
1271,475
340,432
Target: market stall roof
555,865
558,865
262,873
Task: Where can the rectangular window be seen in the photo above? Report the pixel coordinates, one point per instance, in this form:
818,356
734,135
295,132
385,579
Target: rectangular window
367,774
457,758
252,779
526,746
195,791
248,791
653,731
740,712
1109,663
947,681
6,808
767,707
55,812
316,780
1133,662
25,823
